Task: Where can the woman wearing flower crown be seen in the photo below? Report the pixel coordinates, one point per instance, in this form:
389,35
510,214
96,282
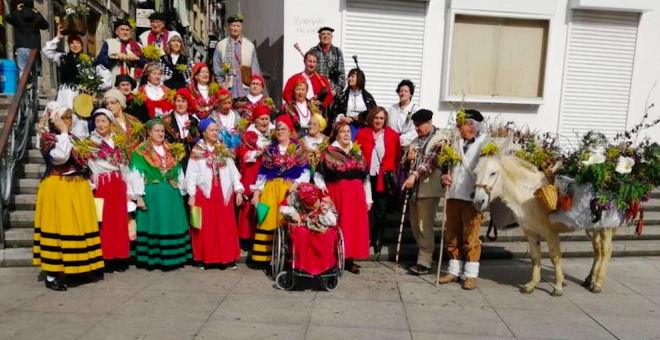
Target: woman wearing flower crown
300,109
66,231
176,64
157,95
344,174
254,142
283,166
158,181
203,91
107,155
214,184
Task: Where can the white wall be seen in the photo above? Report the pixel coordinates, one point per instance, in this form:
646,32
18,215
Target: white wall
303,17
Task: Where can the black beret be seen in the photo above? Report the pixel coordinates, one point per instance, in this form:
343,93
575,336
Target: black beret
235,18
122,22
325,28
158,16
125,77
422,115
474,115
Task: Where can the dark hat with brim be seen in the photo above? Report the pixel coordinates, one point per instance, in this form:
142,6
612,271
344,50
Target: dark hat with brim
422,115
474,115
122,22
125,77
326,28
158,16
235,18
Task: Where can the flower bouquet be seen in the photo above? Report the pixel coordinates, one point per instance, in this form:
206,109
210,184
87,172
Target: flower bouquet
89,80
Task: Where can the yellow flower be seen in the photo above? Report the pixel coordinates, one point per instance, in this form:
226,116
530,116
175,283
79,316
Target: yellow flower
490,150
356,149
139,98
448,157
226,68
214,88
243,124
177,150
132,22
240,16
137,129
120,140
269,101
151,52
291,149
613,153
84,147
182,68
85,58
460,116
171,95
222,150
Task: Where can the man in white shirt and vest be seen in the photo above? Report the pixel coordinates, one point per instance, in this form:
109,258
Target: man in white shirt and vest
240,54
158,35
421,159
122,54
463,219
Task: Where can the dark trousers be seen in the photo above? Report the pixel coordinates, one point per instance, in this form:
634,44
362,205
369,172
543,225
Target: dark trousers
378,212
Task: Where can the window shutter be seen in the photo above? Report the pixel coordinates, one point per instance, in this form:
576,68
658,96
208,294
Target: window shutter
388,38
598,73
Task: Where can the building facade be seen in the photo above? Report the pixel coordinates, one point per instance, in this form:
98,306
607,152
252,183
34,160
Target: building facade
563,66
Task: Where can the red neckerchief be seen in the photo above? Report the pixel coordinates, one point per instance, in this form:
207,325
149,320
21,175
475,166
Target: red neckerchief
135,48
151,38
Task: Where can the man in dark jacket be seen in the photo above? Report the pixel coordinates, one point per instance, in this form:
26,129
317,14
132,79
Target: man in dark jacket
28,22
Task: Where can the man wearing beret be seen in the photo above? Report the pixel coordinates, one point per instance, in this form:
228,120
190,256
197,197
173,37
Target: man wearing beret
331,60
240,53
122,54
158,35
421,160
463,219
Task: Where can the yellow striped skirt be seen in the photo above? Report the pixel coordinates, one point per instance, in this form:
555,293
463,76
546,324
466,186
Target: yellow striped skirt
66,230
273,194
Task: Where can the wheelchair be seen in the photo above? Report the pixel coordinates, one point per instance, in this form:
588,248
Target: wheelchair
286,267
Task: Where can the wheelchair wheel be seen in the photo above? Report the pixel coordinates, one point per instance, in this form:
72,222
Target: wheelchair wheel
285,280
279,252
340,252
330,284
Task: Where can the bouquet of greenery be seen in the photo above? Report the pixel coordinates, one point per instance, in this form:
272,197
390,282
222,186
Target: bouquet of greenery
89,80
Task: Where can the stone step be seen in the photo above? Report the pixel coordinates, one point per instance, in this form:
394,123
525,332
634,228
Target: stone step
24,201
34,156
22,256
28,185
19,237
21,219
34,170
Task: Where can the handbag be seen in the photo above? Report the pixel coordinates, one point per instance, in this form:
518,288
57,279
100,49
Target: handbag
246,75
389,178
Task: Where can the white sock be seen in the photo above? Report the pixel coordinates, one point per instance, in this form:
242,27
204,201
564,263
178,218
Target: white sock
455,267
472,270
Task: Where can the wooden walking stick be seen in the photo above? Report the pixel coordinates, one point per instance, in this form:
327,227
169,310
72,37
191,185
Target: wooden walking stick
442,235
403,218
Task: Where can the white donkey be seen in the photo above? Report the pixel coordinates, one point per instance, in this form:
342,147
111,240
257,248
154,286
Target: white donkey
514,181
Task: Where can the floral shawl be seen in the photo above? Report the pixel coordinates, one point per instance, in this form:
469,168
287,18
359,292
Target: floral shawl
288,166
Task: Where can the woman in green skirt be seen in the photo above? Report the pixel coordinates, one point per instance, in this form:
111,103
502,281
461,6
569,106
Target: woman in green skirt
157,179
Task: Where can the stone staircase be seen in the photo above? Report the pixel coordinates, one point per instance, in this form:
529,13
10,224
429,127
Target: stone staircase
510,244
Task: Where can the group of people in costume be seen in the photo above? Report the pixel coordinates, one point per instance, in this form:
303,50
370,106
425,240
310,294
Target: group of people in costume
189,163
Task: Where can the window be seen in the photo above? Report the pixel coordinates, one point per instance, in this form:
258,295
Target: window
497,60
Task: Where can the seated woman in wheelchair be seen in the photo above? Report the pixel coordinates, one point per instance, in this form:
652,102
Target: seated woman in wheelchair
312,221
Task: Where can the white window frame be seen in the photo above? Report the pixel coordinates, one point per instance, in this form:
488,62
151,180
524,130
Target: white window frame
446,67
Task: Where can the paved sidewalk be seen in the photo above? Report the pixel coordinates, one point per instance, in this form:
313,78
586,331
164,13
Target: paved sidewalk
377,304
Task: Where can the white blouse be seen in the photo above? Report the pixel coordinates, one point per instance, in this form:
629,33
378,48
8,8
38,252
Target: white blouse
377,155
200,175
304,114
181,120
100,167
320,181
254,99
261,179
313,143
62,151
399,121
203,90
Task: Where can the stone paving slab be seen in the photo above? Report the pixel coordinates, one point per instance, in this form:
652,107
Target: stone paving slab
377,304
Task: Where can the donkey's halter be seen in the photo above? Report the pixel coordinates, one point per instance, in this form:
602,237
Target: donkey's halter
486,188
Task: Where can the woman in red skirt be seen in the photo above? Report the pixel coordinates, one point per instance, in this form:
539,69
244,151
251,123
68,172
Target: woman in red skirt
213,183
254,142
107,153
344,172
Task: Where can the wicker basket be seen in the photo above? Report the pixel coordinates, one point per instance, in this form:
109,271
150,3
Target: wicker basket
74,24
547,196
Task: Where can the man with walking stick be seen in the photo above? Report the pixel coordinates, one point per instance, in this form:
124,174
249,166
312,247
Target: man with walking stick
464,220
421,160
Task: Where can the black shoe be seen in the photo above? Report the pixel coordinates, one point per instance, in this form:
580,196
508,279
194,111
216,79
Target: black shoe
353,268
56,285
418,269
378,246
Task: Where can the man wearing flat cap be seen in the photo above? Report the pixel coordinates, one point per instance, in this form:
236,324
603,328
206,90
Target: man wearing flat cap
463,222
331,60
122,54
158,35
239,52
421,160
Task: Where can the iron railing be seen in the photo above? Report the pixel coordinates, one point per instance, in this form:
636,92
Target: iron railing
15,136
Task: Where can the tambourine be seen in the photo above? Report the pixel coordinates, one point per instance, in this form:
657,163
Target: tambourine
83,105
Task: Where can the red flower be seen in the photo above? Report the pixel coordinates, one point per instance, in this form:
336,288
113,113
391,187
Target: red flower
187,123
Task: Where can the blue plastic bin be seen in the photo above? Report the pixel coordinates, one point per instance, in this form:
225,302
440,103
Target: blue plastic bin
8,76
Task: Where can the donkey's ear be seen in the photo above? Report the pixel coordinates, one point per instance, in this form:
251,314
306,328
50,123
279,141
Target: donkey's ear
505,148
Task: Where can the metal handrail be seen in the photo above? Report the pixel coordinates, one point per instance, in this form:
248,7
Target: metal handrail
15,135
